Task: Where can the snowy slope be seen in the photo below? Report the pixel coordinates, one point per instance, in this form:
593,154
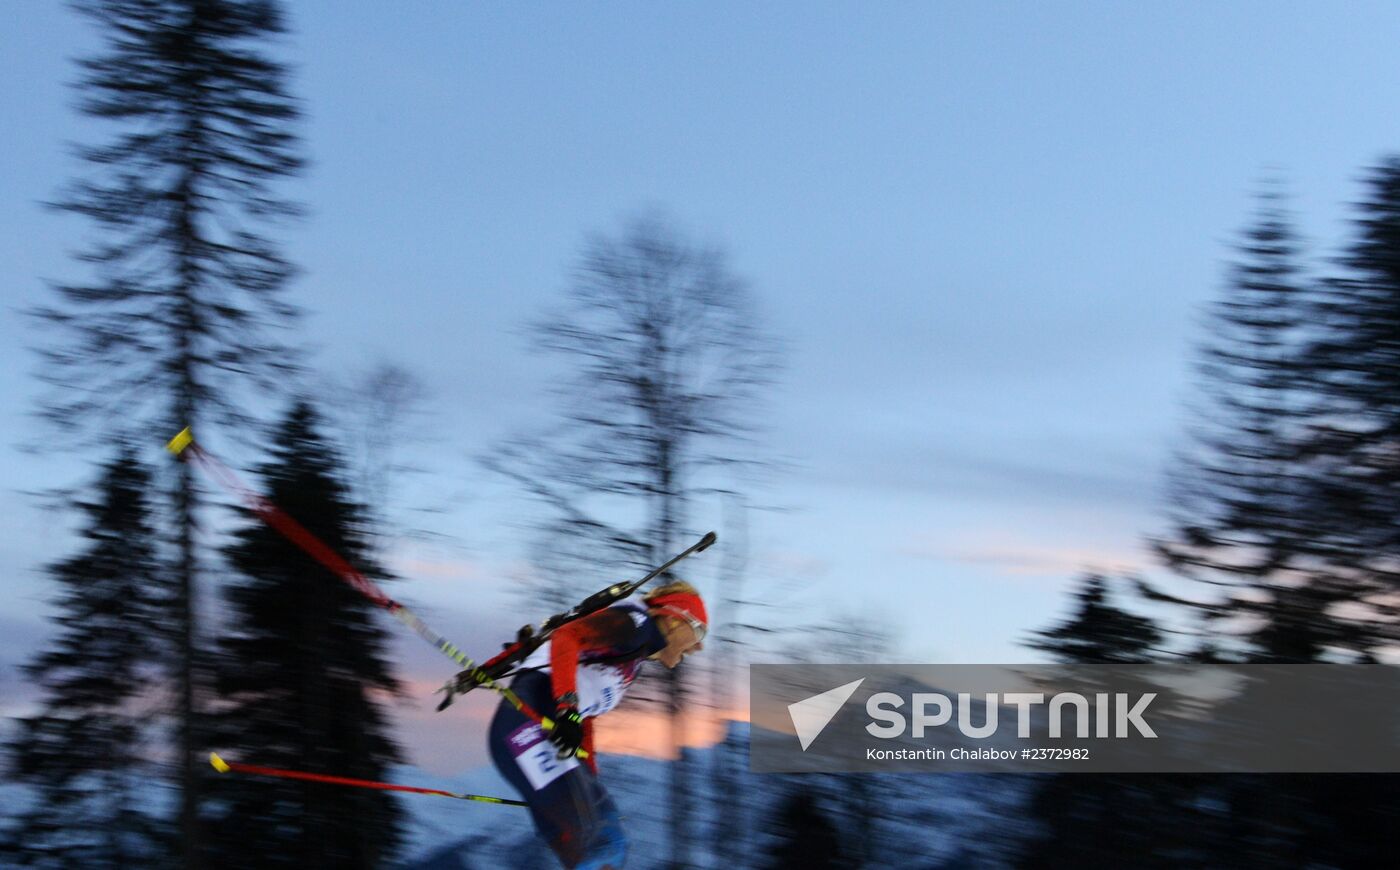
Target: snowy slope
943,821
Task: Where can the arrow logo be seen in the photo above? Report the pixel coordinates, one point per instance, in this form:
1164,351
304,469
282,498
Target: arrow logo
811,715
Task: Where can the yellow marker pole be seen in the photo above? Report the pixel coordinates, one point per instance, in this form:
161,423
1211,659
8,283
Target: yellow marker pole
178,444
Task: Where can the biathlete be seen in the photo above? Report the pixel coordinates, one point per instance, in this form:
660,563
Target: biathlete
581,672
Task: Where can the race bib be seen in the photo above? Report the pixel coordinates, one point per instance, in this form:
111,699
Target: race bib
536,757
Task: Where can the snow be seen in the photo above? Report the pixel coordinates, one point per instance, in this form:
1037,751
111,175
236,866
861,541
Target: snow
923,821
931,822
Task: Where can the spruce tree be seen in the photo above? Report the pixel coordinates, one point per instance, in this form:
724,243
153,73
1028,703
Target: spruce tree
1092,820
1338,819
1285,510
1248,518
1356,440
1343,607
301,676
1099,632
171,327
85,755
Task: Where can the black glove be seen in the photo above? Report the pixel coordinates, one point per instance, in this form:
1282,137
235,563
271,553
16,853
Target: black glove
568,730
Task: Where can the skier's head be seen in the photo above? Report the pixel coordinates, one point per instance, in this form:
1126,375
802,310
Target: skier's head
680,614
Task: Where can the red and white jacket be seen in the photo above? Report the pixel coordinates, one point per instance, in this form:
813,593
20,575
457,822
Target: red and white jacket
596,658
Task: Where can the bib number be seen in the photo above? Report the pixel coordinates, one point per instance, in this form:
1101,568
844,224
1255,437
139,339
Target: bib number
537,758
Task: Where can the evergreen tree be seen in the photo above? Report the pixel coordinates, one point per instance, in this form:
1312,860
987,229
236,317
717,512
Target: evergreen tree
1339,819
1248,517
83,756
1285,508
1348,458
1099,632
301,675
1356,441
171,328
1090,820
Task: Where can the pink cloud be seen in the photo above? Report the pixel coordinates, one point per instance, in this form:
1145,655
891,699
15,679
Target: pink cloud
646,730
1020,558
454,740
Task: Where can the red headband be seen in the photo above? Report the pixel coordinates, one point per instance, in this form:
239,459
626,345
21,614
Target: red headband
687,601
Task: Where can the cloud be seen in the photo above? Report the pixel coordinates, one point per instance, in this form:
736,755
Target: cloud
1074,472
438,563
1012,558
645,730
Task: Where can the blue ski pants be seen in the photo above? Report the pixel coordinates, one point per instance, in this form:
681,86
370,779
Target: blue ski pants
571,809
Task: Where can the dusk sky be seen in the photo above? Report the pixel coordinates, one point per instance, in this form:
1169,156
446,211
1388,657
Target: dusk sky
982,231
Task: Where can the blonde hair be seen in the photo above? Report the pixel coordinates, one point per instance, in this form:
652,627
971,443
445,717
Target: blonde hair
670,589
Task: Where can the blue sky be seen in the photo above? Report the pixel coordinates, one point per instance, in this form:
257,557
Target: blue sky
984,231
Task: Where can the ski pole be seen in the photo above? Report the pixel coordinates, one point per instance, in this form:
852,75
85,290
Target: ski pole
226,766
183,445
